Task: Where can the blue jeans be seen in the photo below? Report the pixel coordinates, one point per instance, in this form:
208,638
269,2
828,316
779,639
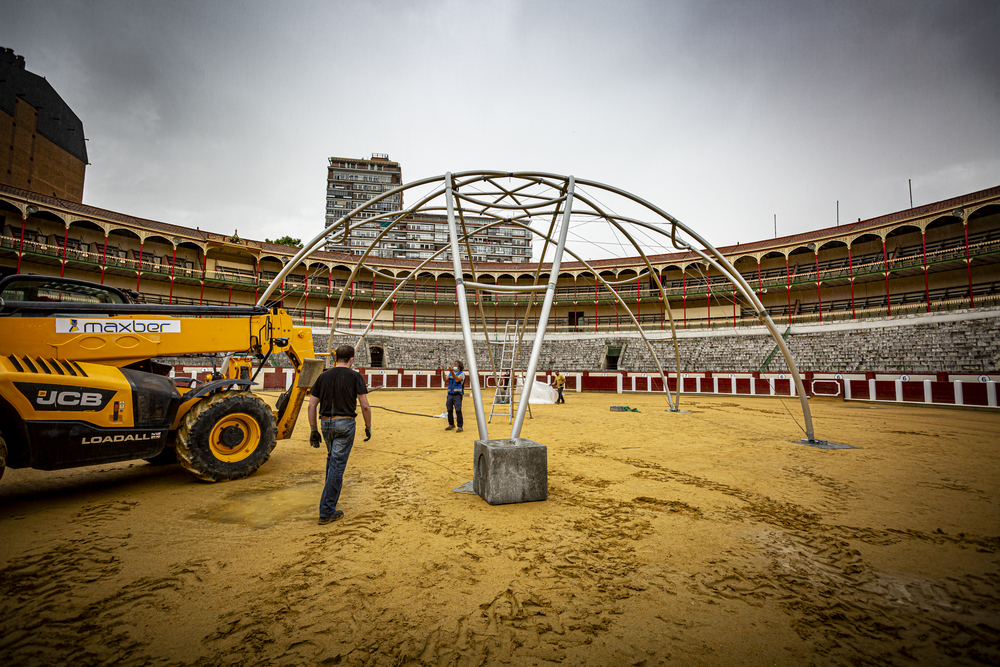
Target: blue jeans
339,437
454,401
560,399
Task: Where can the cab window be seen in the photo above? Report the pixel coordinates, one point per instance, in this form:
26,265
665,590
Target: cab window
55,291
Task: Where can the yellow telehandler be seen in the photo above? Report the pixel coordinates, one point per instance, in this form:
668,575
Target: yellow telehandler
80,383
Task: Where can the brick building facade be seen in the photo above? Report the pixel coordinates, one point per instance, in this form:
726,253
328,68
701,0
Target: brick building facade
44,148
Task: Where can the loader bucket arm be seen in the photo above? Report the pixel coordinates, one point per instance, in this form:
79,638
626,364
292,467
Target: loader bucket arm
307,369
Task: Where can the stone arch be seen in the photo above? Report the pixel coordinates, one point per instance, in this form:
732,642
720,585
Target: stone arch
376,355
8,222
979,221
747,266
78,242
122,242
867,237
158,256
733,259
43,226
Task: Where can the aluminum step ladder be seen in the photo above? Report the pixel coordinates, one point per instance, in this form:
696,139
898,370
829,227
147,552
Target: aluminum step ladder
508,390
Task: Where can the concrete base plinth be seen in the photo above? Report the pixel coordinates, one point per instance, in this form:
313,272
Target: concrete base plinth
510,471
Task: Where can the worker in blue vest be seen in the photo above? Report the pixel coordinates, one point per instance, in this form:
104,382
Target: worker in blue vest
456,390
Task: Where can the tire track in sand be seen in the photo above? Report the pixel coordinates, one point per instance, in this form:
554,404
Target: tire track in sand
834,598
337,602
69,601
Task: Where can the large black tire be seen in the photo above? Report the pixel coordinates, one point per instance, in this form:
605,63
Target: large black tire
226,436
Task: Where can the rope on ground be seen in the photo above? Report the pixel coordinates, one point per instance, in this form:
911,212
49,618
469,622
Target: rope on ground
382,451
400,412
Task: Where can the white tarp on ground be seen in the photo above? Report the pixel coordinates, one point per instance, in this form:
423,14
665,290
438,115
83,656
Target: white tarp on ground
542,394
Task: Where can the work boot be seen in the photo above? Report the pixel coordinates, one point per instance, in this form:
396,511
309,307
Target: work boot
329,519
459,430
449,427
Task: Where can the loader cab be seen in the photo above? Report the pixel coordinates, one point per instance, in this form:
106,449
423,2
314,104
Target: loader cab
48,289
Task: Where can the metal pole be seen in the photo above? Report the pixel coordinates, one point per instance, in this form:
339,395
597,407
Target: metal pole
463,310
20,249
550,293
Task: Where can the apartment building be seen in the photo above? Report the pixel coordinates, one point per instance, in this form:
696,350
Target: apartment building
422,235
351,182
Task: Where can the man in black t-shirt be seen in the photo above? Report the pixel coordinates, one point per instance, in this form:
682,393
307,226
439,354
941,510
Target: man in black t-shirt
336,393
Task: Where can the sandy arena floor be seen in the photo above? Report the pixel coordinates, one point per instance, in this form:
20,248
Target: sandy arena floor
700,539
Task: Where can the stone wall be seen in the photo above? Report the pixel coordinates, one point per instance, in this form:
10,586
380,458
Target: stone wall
904,344
954,342
966,341
409,352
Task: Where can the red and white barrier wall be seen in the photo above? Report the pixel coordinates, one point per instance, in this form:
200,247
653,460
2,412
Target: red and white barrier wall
275,377
963,389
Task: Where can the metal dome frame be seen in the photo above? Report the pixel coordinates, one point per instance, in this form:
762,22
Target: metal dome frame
532,196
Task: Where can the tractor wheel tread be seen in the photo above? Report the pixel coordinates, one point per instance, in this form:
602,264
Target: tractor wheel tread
192,445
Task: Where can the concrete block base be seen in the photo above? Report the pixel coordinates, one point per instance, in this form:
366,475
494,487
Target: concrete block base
510,471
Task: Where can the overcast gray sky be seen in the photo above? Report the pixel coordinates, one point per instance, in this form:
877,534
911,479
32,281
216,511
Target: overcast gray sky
222,115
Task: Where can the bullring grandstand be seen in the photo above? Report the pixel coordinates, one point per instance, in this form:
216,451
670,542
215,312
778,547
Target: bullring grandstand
911,294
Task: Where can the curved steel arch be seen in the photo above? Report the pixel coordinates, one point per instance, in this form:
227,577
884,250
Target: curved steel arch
535,197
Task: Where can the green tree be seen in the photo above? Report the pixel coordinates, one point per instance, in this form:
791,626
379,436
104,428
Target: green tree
286,240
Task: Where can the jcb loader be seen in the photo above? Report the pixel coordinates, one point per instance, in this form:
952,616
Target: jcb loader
80,384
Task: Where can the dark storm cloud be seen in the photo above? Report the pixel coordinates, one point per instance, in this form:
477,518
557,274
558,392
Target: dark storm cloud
222,114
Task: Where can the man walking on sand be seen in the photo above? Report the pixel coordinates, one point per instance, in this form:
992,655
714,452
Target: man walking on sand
456,390
336,393
559,382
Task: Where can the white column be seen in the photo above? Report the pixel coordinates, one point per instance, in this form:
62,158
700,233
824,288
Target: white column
928,394
753,386
619,378
715,385
991,394
899,391
579,382
959,398
847,389
871,390
697,385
